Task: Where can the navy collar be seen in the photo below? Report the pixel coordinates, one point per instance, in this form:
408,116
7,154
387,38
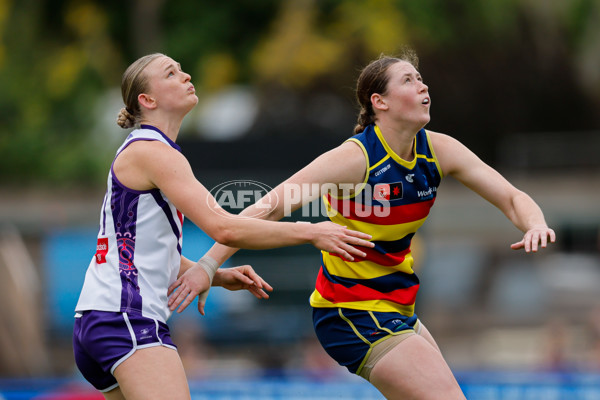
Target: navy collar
172,143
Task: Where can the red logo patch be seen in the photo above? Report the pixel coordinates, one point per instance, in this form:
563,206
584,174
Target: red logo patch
101,250
381,191
388,191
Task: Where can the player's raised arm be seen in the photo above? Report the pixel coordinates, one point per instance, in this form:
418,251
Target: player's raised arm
170,171
458,161
326,172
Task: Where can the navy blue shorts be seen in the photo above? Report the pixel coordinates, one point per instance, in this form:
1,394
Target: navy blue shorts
103,340
348,335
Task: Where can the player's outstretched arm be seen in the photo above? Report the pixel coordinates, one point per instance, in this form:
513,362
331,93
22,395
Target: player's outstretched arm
324,171
168,170
458,161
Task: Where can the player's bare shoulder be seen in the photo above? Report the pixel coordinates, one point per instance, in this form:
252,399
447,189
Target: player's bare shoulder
156,154
350,162
444,144
440,140
345,163
454,157
138,165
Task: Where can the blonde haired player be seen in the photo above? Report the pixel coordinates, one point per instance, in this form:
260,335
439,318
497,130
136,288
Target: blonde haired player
121,341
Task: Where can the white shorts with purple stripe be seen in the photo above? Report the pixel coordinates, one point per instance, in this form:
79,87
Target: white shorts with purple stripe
103,340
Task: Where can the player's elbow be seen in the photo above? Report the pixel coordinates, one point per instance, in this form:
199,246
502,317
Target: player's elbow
226,234
519,199
227,238
516,204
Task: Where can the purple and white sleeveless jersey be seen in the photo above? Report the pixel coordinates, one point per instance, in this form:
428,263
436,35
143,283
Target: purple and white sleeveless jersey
139,247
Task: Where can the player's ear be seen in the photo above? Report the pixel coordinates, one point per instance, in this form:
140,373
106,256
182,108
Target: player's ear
147,101
378,102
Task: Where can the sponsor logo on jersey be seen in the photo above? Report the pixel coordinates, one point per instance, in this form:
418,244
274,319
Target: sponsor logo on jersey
427,194
101,250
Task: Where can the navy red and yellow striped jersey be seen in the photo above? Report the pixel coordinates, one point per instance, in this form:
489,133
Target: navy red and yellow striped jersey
391,204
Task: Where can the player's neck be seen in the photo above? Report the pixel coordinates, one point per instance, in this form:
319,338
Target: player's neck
169,126
401,141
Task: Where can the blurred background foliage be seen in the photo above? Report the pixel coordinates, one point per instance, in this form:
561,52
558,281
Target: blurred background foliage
532,62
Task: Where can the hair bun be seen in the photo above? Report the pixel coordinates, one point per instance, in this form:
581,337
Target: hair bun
125,119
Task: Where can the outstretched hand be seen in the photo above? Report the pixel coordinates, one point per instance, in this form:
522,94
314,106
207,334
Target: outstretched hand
242,277
195,282
538,235
340,240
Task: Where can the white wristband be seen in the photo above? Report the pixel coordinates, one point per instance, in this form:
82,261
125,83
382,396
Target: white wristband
209,265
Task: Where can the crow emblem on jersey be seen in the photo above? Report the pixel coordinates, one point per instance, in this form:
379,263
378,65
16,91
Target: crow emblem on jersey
388,191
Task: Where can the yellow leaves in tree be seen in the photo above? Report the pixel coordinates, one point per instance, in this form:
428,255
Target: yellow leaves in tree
86,19
304,45
4,9
63,71
217,71
379,25
294,53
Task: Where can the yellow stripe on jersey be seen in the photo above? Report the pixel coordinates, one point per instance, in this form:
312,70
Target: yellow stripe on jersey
316,300
435,159
365,179
428,159
380,232
384,159
362,146
365,269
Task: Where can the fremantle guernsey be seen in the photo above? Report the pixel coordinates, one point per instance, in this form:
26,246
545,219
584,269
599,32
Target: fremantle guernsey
138,252
391,205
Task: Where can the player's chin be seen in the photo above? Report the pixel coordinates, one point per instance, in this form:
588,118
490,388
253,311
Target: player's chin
193,100
421,121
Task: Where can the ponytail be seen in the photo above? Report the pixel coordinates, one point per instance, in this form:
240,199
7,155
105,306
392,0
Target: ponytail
364,119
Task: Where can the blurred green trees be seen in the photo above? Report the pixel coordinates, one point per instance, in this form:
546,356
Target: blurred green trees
59,58
56,59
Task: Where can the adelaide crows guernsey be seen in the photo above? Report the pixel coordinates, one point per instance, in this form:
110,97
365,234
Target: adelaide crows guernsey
138,251
391,204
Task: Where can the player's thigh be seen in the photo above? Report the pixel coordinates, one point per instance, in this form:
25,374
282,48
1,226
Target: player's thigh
153,373
414,369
